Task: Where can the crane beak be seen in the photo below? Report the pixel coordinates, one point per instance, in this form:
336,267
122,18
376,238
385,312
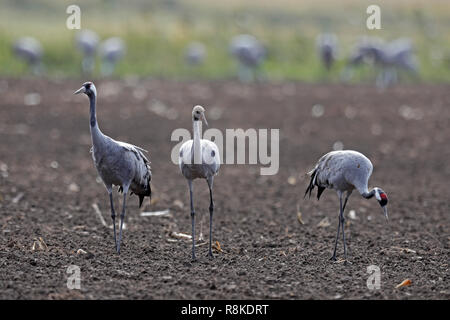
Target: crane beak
204,119
385,211
81,90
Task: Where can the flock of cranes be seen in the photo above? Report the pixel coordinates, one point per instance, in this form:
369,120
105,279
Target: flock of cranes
111,51
126,166
250,53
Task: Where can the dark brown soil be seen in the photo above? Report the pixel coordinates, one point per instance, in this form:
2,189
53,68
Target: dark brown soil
48,187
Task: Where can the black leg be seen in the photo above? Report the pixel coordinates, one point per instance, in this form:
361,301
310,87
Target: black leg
342,220
336,242
339,225
122,217
113,216
345,203
211,212
193,221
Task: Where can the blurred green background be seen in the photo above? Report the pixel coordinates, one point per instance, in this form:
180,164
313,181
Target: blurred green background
156,34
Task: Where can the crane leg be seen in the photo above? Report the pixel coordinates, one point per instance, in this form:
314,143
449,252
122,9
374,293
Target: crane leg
192,220
333,257
113,216
122,216
342,219
211,211
339,226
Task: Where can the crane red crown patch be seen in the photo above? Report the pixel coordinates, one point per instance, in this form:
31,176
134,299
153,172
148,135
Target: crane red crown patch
383,196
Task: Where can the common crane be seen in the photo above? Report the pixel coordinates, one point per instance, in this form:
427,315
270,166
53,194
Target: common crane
199,158
118,163
344,171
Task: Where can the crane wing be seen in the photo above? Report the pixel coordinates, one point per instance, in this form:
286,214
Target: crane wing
138,151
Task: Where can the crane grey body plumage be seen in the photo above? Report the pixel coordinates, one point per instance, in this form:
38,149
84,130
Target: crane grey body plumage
344,171
199,159
120,163
205,170
117,163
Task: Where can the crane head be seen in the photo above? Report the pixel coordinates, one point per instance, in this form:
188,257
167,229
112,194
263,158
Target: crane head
88,89
382,200
198,113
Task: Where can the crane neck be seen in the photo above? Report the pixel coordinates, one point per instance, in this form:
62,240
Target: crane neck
92,101
196,144
96,134
368,194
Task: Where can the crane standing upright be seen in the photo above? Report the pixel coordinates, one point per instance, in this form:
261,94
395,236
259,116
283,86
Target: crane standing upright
111,51
250,53
118,163
327,48
344,171
87,42
199,158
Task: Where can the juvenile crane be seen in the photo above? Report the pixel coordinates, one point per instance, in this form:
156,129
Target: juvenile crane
118,163
345,171
199,158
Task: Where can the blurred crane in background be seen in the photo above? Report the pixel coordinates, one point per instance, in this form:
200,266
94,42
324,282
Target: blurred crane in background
327,46
366,51
249,53
195,53
87,42
30,50
389,57
111,51
397,55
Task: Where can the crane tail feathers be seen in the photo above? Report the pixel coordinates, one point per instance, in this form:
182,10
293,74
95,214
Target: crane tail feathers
141,199
319,191
148,193
311,183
